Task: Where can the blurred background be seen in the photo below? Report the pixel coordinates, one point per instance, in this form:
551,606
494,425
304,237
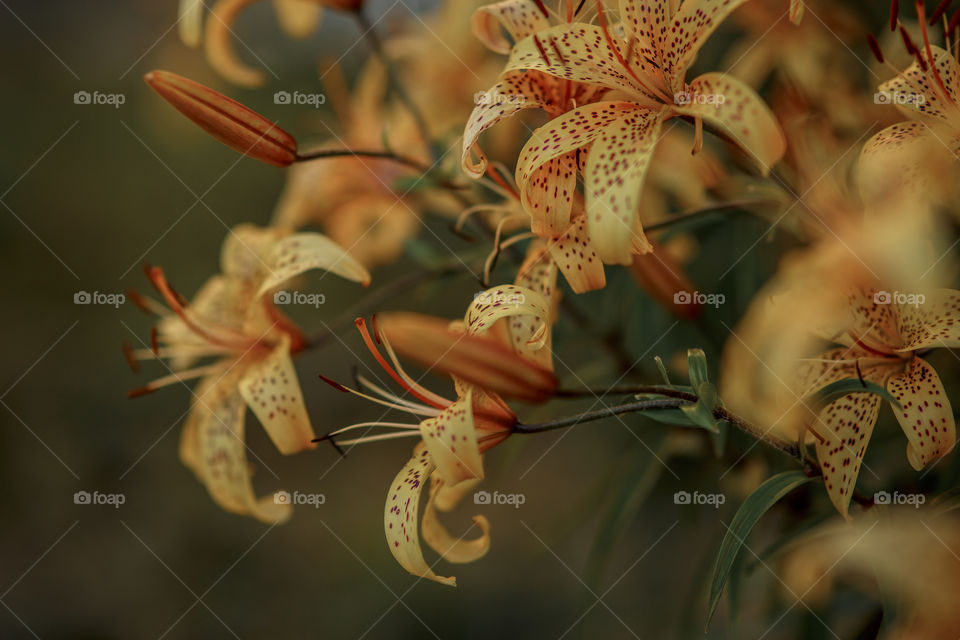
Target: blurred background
91,193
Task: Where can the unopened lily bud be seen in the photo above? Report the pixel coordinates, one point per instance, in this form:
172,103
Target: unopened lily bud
480,360
664,280
230,122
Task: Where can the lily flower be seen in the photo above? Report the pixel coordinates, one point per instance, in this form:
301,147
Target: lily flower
233,321
648,66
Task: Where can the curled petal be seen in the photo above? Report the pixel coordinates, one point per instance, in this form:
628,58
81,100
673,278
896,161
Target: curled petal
935,323
302,252
272,391
401,516
578,261
924,413
520,18
299,18
455,550
504,301
219,44
539,274
736,111
451,440
616,168
233,124
190,24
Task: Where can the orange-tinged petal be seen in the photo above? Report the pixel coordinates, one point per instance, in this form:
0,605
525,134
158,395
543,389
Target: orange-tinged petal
213,447
924,413
915,90
272,392
516,91
736,111
451,440
298,18
190,24
451,549
797,8
845,426
479,360
520,18
578,261
302,252
935,323
401,516
616,168
233,124
218,44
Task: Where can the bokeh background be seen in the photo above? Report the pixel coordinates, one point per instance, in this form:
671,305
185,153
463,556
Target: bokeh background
90,193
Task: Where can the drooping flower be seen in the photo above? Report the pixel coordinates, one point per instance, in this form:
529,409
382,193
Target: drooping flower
648,66
233,324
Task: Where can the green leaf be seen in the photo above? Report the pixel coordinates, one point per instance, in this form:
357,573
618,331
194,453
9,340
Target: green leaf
836,390
697,367
701,413
750,512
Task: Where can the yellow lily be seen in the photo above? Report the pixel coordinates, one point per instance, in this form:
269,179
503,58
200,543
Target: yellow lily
233,321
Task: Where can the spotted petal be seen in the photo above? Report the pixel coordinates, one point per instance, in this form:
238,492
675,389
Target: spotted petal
451,440
924,413
916,90
519,18
936,323
212,445
401,516
574,254
616,168
549,196
301,252
736,111
451,549
907,157
537,273
272,391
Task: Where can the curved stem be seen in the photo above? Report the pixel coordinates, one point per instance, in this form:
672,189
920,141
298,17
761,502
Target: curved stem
339,153
704,211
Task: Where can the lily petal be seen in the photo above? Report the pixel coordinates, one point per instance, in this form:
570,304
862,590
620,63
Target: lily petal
924,414
933,324
574,254
537,273
190,24
616,168
451,549
272,391
218,42
401,516
451,440
298,18
301,252
929,100
739,113
549,197
520,18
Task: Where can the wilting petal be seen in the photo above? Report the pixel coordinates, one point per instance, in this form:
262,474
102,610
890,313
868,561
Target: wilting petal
520,18
742,116
577,259
479,360
299,18
562,135
301,252
456,550
616,168
924,413
845,426
549,197
577,52
213,447
452,442
935,323
401,516
233,124
903,90
516,91
272,392
191,22
219,44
